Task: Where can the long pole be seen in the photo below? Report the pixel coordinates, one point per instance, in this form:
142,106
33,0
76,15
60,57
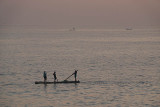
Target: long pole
68,77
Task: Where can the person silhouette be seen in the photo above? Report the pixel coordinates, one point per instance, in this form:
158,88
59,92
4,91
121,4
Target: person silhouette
45,76
55,77
75,75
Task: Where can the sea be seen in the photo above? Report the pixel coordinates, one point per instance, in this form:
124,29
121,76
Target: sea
116,67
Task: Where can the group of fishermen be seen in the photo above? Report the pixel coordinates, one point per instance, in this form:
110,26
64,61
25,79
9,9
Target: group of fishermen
55,77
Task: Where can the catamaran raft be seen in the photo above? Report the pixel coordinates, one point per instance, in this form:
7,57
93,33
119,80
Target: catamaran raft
55,78
57,82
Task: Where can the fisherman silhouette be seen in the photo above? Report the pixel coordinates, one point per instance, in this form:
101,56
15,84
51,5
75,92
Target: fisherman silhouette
55,77
75,75
45,76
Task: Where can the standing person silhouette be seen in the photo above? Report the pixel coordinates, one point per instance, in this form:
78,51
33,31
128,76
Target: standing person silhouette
45,76
75,75
55,77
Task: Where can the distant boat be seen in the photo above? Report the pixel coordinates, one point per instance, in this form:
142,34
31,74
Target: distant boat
128,28
57,82
73,29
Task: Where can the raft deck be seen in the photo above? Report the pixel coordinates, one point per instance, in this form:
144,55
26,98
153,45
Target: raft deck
57,82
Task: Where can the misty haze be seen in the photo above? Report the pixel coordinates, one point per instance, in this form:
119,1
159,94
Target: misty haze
79,53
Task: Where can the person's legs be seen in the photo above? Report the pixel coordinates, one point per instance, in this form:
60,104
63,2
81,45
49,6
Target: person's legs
45,78
75,78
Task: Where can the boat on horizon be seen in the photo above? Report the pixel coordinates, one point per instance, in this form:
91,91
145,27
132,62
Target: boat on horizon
73,29
128,28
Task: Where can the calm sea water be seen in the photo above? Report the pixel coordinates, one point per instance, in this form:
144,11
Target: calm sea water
117,67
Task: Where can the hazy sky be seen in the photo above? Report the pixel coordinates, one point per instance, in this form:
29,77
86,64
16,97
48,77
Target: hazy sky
80,12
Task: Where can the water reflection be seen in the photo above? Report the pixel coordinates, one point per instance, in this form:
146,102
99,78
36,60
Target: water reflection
45,88
76,86
54,86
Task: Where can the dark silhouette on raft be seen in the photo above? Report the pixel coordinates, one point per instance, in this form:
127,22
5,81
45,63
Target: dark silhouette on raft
55,77
45,76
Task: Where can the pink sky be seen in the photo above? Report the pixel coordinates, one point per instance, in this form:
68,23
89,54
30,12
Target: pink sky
80,12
